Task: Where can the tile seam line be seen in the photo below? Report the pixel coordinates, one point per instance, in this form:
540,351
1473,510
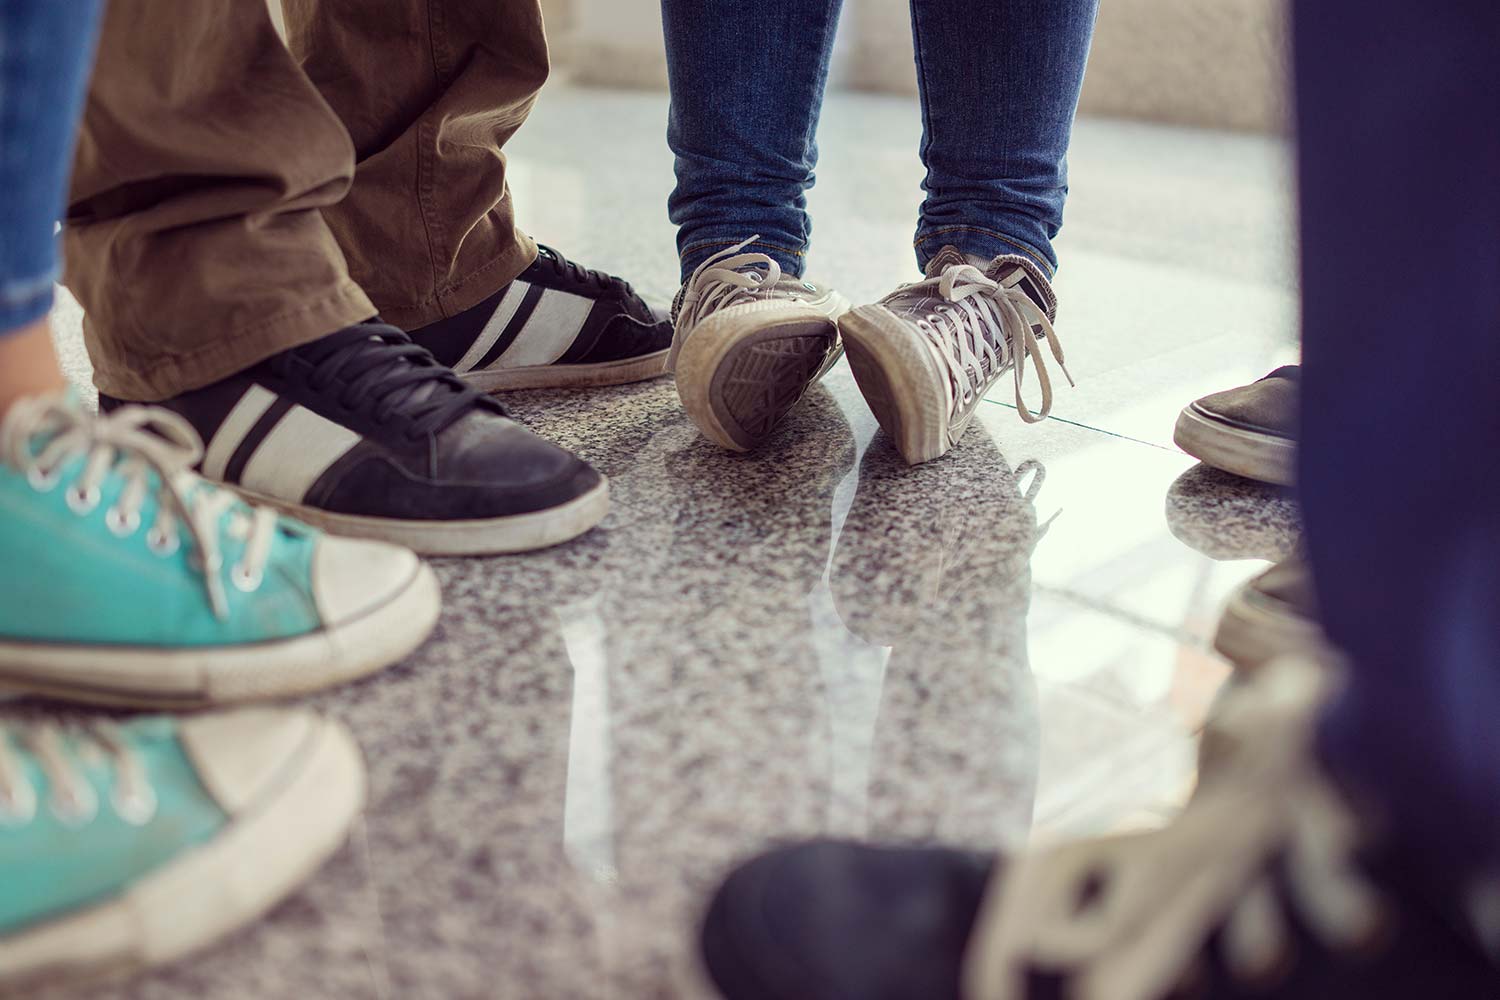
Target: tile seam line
1174,632
1097,430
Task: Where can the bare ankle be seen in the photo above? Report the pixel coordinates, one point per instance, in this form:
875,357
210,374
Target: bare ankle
28,364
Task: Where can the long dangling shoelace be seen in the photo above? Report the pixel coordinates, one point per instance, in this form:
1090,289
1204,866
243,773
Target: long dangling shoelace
986,322
73,799
42,435
1125,918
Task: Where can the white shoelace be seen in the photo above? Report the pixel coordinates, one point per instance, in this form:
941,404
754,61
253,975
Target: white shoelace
73,799
727,278
136,441
985,320
1126,917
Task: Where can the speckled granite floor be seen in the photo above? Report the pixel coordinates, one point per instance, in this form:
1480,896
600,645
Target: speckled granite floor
812,639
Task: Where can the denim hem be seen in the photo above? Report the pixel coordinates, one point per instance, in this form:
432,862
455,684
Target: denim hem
26,301
992,244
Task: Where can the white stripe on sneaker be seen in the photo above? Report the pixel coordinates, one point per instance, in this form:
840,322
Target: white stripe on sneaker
252,405
501,317
297,451
550,331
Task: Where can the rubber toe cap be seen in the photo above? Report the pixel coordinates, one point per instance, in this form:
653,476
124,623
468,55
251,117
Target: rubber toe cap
240,756
352,578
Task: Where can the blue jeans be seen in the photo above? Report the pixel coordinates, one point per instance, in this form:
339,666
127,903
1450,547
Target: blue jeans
999,81
1400,187
46,49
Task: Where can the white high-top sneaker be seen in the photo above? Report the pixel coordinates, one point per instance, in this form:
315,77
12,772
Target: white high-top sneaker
925,355
749,341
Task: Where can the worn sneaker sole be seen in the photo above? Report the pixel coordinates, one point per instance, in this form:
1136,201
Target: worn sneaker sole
1264,457
491,536
1251,634
741,372
179,677
626,370
207,893
900,381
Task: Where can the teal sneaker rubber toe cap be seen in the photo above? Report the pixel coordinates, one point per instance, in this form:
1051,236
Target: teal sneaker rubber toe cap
290,784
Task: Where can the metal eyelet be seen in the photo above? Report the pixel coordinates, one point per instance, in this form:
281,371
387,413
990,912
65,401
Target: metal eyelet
42,482
78,808
122,525
162,543
17,807
136,808
244,580
82,502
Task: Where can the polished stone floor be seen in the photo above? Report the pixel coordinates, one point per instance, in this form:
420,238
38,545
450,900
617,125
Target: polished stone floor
813,639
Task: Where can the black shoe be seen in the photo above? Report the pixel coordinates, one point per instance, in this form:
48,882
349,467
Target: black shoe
363,433
1250,430
839,921
1269,887
557,325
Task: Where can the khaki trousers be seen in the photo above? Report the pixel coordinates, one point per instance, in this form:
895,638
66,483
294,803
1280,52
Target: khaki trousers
234,196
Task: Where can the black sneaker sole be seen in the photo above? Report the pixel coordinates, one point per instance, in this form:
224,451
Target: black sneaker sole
1263,457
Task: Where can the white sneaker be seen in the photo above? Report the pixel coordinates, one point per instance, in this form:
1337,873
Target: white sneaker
748,342
925,355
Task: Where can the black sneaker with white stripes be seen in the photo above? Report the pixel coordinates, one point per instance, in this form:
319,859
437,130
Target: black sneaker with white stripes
557,325
363,433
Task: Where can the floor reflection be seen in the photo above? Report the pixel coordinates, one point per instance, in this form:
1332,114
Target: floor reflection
1225,516
741,675
813,639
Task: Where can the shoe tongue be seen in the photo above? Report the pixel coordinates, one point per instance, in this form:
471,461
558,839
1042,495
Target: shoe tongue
947,257
419,393
1007,269
1019,272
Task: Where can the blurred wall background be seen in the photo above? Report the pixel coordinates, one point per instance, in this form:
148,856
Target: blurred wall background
1210,63
1213,63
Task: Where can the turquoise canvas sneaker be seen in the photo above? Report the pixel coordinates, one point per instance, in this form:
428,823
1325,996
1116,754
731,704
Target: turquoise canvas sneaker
125,578
127,846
